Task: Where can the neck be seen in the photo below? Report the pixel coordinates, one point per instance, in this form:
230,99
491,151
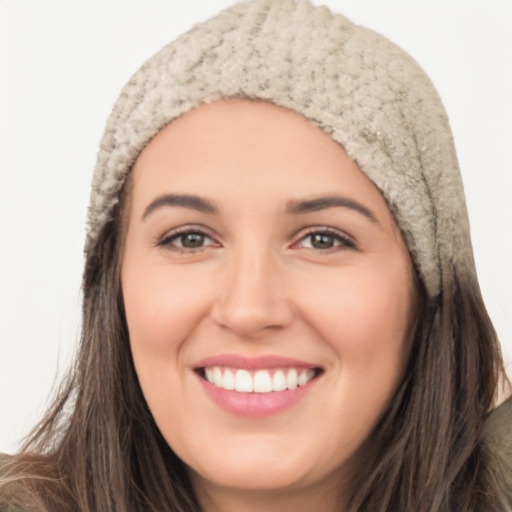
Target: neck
221,499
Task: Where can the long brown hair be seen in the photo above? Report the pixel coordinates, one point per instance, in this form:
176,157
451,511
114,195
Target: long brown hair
98,449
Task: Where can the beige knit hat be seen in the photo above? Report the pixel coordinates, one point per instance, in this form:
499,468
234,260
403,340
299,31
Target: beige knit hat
360,88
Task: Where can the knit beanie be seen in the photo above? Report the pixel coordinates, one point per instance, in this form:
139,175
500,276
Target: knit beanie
361,89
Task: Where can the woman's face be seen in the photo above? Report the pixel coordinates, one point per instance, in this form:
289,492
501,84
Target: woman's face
259,257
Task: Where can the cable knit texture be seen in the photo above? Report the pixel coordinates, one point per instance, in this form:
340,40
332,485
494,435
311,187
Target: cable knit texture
364,91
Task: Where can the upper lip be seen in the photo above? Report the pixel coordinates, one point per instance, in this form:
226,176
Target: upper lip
252,363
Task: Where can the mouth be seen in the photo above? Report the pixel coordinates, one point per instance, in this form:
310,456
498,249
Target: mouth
263,380
256,387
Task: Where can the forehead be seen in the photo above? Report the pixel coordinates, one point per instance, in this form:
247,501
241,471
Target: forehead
244,150
261,130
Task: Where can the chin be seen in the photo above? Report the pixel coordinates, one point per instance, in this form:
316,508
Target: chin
246,475
262,466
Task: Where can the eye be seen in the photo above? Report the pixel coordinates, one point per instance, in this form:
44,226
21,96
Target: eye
187,240
325,240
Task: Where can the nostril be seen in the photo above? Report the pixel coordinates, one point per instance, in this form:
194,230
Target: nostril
252,298
249,316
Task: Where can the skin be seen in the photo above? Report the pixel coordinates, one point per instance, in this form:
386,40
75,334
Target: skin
259,283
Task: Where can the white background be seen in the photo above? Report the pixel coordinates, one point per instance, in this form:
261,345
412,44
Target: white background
62,65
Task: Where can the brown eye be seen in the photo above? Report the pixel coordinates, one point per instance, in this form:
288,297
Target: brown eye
322,241
192,240
187,241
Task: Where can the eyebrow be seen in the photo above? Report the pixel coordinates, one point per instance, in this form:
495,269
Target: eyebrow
295,207
191,202
322,203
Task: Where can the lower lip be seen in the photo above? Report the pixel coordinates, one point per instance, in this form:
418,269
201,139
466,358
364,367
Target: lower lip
256,405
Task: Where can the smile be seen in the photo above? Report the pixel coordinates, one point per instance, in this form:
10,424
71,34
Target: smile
258,381
256,386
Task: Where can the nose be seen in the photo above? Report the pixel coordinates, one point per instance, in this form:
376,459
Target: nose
252,300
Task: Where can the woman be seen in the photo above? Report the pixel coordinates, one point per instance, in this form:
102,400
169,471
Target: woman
281,309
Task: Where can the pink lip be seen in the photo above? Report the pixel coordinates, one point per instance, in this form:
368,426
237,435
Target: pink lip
254,405
252,363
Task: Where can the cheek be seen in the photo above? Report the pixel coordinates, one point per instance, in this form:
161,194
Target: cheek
163,306
363,314
363,299
163,309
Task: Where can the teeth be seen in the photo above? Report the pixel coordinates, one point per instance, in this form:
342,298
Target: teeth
229,380
291,379
243,381
261,381
217,377
305,376
279,381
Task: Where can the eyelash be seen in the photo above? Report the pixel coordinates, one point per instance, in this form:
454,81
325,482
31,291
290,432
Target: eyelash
343,242
167,240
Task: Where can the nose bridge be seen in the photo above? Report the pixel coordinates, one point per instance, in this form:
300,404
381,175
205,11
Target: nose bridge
252,298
